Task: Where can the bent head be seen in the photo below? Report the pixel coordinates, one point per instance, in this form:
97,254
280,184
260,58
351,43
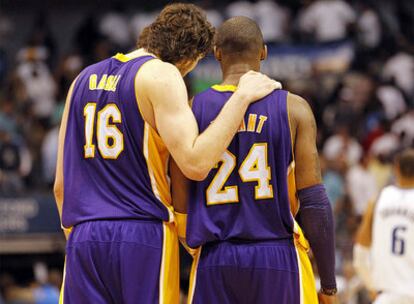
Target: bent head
240,40
404,168
180,35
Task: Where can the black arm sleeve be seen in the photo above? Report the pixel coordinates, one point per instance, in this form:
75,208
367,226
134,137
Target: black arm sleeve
316,219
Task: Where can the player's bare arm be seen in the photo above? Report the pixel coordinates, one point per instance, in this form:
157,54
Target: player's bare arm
303,128
162,89
179,195
362,248
315,213
58,186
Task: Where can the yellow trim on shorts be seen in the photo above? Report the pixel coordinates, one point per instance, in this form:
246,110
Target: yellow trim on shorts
169,285
308,294
62,289
224,87
193,275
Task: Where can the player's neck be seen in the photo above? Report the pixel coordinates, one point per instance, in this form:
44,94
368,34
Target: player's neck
138,53
233,72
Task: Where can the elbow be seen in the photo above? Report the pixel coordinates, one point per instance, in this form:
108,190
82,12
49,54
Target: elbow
195,170
196,174
58,191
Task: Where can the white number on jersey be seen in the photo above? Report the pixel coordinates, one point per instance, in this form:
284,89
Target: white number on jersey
254,168
110,140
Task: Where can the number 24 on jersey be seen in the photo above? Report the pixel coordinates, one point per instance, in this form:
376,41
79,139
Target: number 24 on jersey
254,168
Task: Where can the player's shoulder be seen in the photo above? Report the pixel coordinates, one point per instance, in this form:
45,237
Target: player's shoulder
214,95
299,109
205,93
297,102
390,189
387,195
157,70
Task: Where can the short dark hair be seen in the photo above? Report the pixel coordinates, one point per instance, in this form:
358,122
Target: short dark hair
180,32
405,162
239,35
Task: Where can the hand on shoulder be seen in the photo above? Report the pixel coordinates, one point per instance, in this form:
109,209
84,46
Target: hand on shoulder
254,86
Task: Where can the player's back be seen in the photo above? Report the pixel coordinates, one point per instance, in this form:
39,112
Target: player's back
245,198
393,241
114,162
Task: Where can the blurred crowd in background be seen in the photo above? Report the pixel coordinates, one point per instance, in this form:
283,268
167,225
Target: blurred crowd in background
365,112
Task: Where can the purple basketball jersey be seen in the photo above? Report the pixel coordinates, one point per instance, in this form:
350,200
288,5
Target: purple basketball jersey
246,196
114,162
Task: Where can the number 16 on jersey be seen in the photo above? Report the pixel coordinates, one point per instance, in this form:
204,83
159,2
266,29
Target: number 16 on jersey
109,138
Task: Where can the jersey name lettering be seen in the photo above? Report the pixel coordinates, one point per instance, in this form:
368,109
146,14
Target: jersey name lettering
106,82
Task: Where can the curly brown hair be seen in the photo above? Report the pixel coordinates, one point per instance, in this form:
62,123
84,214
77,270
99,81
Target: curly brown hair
180,32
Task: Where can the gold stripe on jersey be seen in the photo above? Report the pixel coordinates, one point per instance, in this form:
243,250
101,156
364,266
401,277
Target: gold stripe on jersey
62,289
122,57
292,191
224,87
156,155
169,289
193,276
308,293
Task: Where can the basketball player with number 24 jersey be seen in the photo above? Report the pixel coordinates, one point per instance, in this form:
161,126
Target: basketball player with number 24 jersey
242,217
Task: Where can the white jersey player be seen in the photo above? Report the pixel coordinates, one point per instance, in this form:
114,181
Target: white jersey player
384,249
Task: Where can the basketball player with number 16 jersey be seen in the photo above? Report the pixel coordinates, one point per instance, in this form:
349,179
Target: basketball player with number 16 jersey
122,119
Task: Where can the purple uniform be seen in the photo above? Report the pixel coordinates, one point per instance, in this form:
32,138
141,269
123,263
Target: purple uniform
116,194
240,215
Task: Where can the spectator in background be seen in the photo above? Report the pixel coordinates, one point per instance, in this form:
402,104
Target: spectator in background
361,185
341,144
273,20
241,8
213,15
43,291
139,21
37,81
11,181
114,25
87,36
333,181
392,100
6,29
49,148
400,68
404,127
368,26
41,37
327,20
70,66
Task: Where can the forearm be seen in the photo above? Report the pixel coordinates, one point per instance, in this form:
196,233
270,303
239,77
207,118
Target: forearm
316,219
362,264
58,192
210,145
